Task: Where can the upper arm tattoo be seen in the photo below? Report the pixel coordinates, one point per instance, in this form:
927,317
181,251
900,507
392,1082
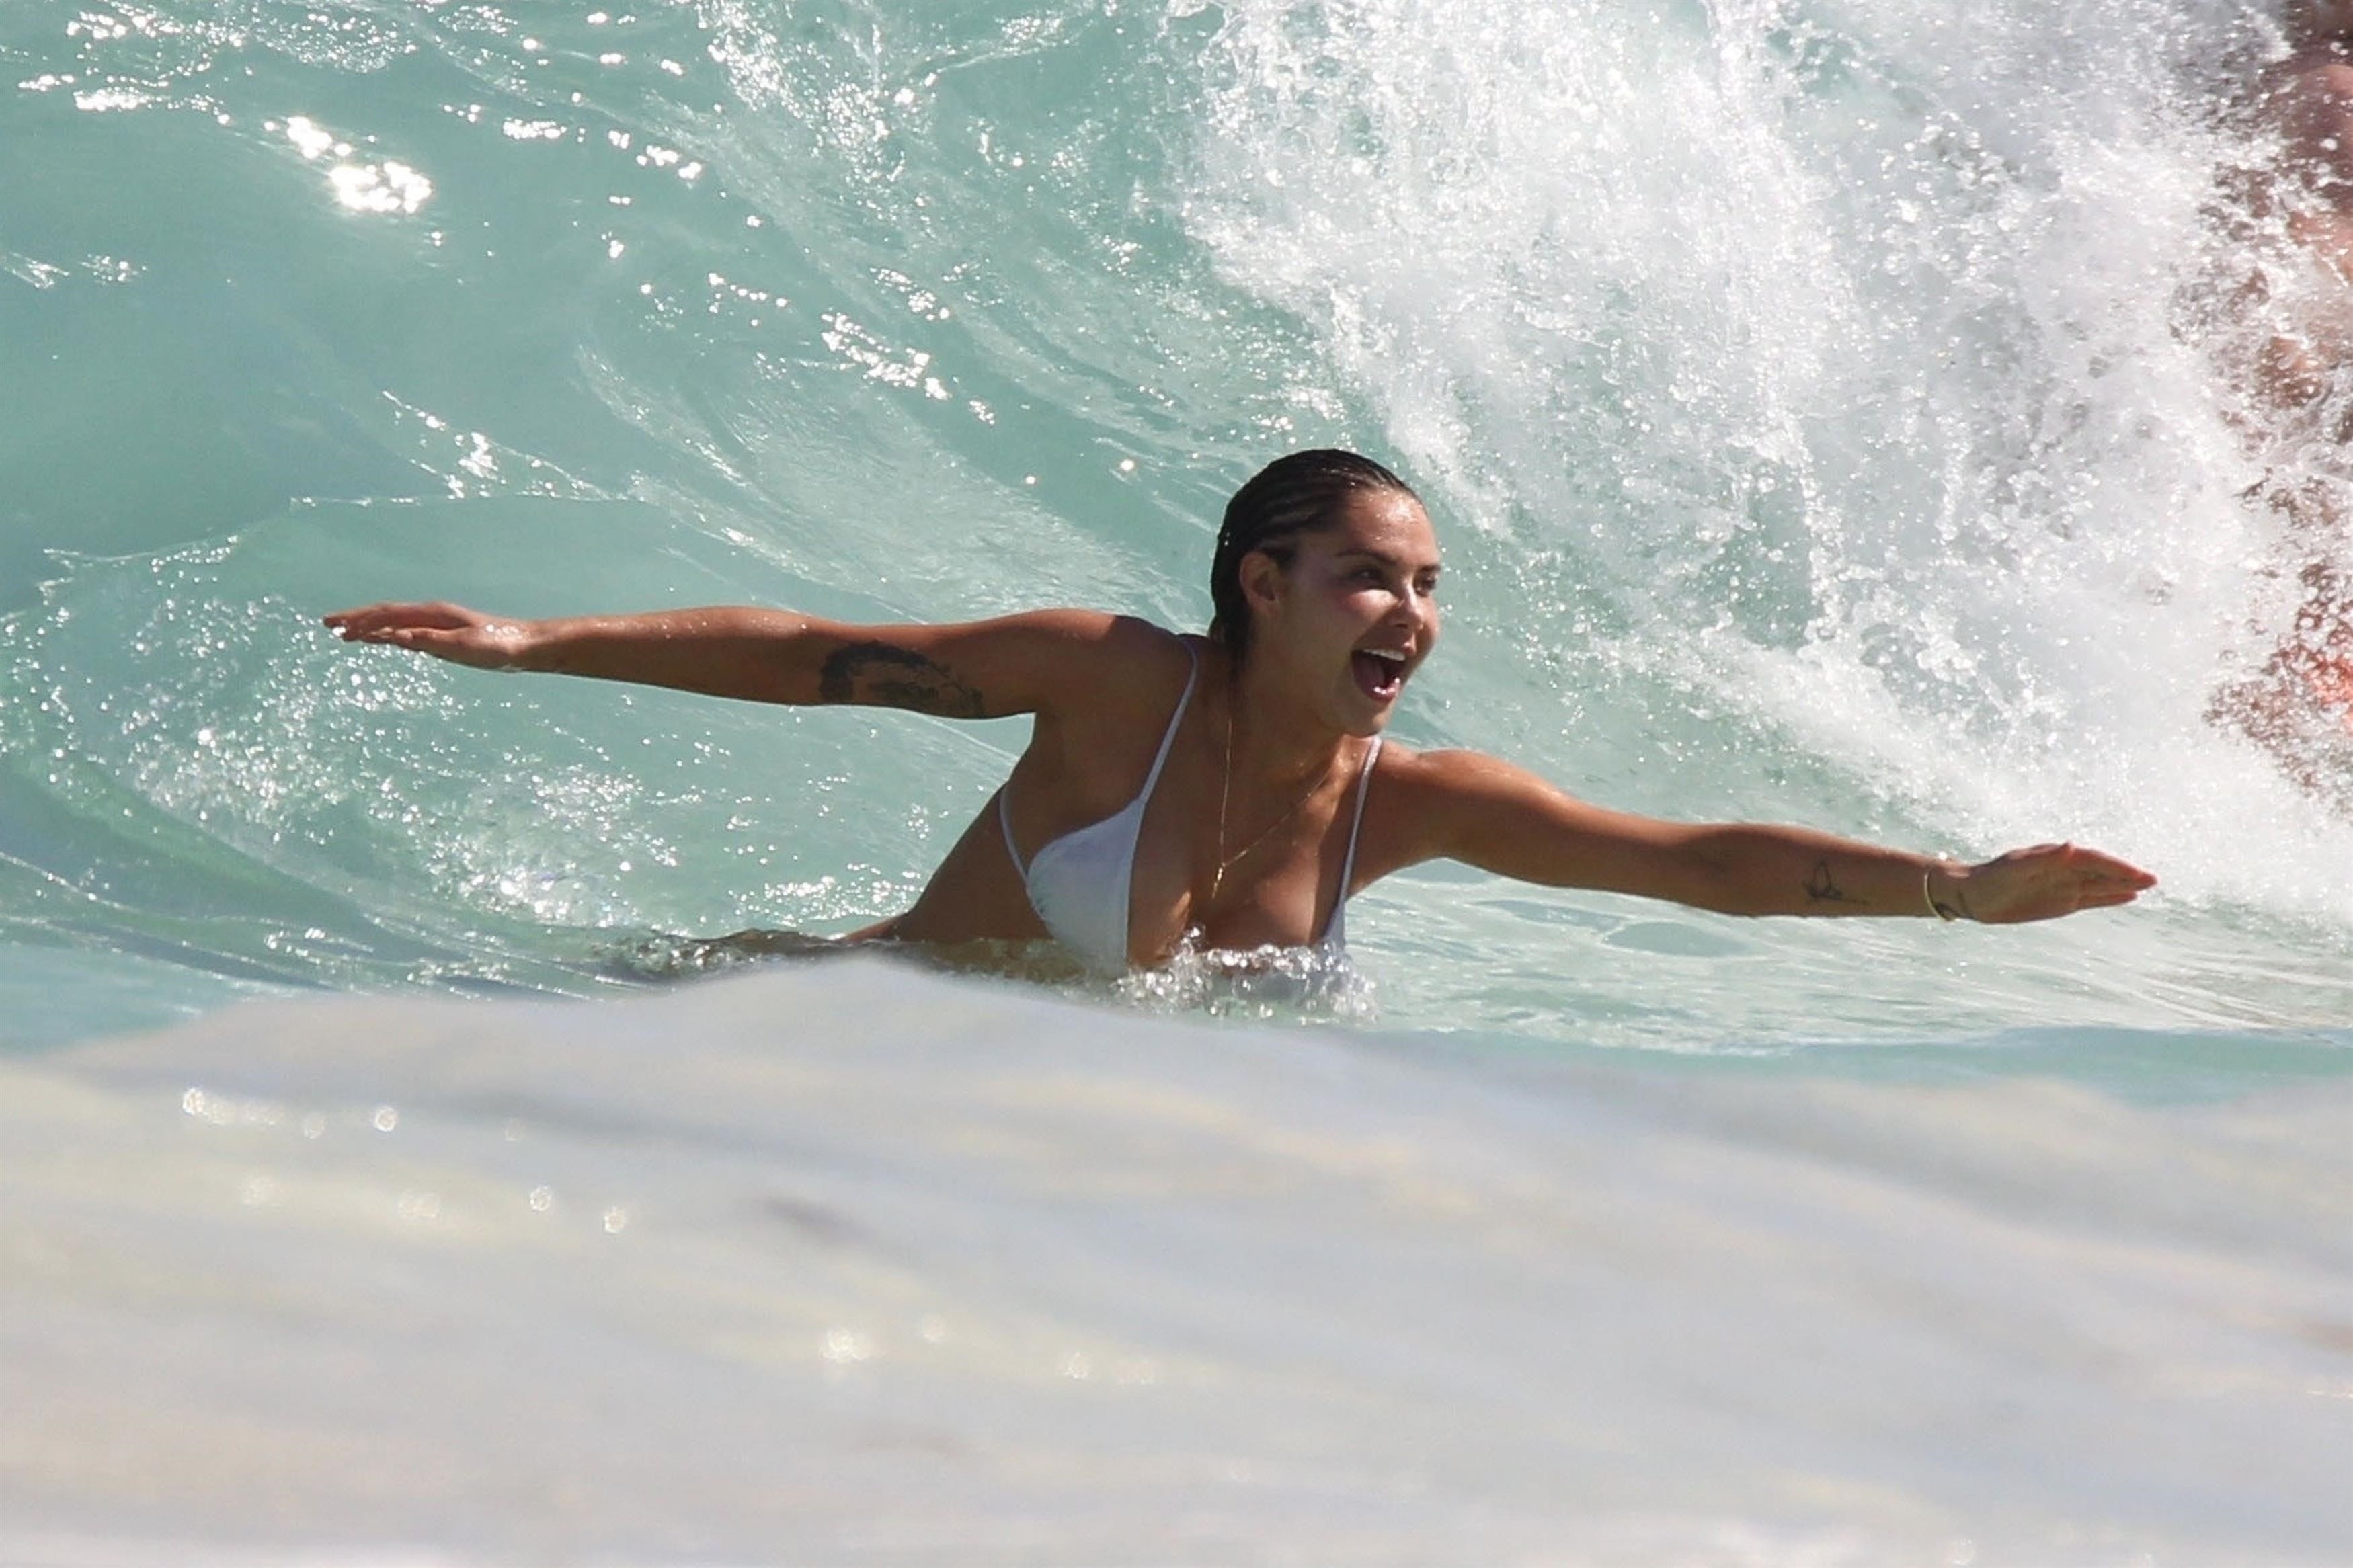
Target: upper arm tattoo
886,677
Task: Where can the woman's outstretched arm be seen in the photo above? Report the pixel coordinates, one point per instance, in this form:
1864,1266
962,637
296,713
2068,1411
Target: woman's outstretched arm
977,670
1507,820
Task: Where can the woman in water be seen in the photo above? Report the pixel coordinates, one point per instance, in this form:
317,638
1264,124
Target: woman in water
1234,789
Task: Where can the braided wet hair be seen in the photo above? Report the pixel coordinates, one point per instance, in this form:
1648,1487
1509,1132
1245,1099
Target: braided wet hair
1301,493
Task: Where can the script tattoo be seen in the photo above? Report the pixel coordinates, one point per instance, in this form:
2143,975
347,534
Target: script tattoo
1821,890
889,677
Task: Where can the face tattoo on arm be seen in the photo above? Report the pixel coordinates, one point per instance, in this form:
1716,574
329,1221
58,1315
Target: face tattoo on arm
878,673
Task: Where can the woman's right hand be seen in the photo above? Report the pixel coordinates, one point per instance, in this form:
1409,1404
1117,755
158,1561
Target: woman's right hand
444,630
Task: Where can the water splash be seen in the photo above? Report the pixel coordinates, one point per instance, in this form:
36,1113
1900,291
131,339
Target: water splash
1827,369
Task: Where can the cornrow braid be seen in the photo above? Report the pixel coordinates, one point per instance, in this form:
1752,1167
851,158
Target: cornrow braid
1297,494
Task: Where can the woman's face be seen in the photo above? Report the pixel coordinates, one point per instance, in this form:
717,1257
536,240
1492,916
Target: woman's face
1356,611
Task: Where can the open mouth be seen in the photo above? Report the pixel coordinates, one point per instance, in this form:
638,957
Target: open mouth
1380,673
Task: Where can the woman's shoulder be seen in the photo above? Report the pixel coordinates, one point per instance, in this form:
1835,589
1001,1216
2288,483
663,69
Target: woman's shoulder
1130,636
1425,804
1101,640
1453,782
1440,768
1139,647
1112,666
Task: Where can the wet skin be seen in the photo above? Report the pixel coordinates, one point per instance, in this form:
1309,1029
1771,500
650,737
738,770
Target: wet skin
1242,841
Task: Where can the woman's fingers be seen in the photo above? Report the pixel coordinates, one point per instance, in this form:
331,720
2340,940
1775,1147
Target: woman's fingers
366,620
2052,879
441,629
2092,862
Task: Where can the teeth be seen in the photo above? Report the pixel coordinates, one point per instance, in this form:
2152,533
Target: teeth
1385,653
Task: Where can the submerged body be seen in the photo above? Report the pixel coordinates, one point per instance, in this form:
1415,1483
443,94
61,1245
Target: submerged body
1232,791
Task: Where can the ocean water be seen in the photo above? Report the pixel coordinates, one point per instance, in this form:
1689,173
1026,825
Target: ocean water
1832,413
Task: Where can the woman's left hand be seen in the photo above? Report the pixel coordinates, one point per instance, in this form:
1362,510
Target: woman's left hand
2038,884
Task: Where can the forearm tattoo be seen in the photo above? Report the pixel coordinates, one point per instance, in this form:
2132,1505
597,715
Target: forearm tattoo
1822,890
886,677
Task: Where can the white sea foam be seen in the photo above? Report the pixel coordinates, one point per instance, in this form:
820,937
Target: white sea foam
858,1264
1824,418
1841,368
1818,403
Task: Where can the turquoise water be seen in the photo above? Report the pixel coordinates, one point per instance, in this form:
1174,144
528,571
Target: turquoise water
1850,465
1826,412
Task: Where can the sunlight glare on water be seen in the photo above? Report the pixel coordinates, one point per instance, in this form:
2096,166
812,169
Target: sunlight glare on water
1834,413
1865,462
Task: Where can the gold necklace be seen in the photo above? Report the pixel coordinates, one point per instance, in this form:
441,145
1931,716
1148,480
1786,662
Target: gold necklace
1225,789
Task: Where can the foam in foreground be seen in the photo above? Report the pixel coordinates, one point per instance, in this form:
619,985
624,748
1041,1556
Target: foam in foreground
853,1264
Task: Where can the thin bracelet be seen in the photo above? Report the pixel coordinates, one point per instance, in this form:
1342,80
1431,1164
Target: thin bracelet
1935,908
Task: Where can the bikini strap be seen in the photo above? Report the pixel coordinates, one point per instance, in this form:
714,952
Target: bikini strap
1175,720
1004,790
1005,820
1357,825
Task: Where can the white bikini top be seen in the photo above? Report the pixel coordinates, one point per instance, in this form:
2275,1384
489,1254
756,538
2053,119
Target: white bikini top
1079,884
